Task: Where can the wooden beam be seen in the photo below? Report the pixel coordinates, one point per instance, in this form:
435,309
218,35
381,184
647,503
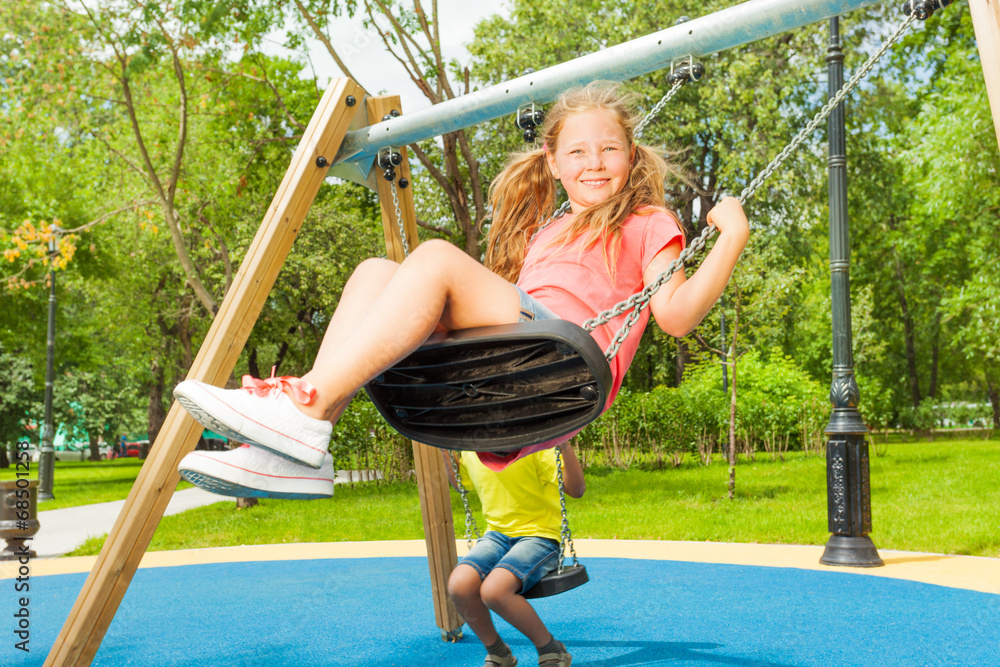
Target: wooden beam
98,601
432,478
986,21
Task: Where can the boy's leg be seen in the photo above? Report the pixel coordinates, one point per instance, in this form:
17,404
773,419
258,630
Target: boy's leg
463,586
528,560
500,593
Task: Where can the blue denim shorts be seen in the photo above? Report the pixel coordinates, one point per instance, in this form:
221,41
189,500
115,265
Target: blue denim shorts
528,558
532,308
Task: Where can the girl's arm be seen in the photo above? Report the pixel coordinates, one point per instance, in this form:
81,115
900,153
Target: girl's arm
680,305
573,482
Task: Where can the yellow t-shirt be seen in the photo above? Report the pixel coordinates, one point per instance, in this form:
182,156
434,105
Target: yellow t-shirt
522,499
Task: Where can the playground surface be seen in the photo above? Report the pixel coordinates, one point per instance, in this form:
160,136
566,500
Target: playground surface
647,603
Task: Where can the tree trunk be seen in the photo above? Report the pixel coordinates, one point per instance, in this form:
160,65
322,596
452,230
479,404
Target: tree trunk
95,449
680,363
252,367
156,413
993,391
910,335
732,433
935,351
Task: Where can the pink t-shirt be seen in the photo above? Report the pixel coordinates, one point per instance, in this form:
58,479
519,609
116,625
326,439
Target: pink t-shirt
576,284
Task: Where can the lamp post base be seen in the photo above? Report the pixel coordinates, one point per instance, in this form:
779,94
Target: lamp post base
851,551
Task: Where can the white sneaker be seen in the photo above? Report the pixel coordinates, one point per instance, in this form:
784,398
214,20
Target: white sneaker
249,472
272,422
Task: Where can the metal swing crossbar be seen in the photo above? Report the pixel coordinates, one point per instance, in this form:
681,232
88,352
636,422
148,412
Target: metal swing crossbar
564,577
497,388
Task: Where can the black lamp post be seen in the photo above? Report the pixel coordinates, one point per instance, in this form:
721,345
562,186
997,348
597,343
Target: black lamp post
848,483
47,454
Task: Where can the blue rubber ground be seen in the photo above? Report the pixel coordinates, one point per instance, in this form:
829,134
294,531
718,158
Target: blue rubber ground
378,611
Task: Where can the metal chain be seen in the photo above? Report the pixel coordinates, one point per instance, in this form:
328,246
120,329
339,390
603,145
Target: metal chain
826,110
566,536
470,521
638,302
399,219
559,212
657,108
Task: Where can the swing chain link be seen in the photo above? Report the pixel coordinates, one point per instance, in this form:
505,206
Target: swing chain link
638,302
566,536
399,219
658,108
470,521
826,110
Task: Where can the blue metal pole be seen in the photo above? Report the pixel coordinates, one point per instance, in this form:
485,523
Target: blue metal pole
726,29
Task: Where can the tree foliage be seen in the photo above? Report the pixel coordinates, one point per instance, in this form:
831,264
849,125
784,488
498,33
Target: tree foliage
146,140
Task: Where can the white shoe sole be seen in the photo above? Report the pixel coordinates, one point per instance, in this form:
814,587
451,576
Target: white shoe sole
227,479
227,421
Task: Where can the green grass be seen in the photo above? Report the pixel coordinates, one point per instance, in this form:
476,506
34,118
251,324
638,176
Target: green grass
932,497
84,482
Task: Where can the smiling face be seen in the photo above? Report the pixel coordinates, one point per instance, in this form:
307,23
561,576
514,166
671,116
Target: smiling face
592,157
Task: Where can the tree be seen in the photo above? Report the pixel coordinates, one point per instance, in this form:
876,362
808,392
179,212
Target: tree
16,394
412,35
954,162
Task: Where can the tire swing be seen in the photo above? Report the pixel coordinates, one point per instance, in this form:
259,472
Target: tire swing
564,577
491,389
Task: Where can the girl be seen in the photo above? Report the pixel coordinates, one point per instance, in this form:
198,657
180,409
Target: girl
616,238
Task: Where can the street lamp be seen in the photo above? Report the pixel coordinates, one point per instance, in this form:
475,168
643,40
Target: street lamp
849,513
47,454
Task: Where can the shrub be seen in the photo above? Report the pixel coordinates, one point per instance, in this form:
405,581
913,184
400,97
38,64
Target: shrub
363,440
878,405
778,407
920,419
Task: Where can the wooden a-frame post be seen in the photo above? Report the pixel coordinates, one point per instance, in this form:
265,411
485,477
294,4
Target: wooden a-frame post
95,607
986,22
432,478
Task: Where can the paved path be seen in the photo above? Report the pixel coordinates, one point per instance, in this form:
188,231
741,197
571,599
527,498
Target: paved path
63,530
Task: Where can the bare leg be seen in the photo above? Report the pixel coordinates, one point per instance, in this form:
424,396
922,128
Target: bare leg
499,593
365,284
437,285
463,587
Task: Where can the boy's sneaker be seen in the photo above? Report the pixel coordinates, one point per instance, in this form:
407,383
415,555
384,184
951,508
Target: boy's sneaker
497,661
559,659
249,472
270,421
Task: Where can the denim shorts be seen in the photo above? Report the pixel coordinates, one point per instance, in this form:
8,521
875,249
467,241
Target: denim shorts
528,558
532,308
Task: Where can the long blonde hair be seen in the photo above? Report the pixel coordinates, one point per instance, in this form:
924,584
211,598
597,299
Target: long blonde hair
523,195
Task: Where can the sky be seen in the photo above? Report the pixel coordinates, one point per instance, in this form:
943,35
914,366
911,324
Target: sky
375,69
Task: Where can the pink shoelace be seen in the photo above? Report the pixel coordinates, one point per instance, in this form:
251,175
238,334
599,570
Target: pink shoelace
301,391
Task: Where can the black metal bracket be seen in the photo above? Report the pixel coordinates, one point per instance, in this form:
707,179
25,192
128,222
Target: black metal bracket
924,9
528,118
388,159
685,70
